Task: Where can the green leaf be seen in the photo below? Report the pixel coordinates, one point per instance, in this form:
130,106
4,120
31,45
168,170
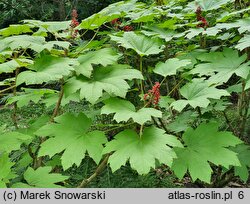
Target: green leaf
10,141
247,82
5,170
70,134
243,43
243,152
197,94
224,64
207,5
93,22
170,66
41,178
139,43
105,57
10,66
15,30
124,110
243,25
24,99
143,152
110,79
192,32
52,44
23,41
162,33
46,68
202,145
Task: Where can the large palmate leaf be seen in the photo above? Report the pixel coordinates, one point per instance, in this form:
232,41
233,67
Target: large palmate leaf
70,134
142,152
139,43
202,145
207,5
104,57
197,94
10,141
111,79
170,66
5,170
46,68
124,110
243,43
23,41
224,64
243,152
41,178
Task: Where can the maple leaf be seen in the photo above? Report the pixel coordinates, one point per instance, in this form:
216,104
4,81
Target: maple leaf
197,94
142,152
124,110
110,79
70,135
202,145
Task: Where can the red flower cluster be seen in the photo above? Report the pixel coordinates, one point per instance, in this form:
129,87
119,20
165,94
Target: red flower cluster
116,23
153,95
74,23
200,18
127,28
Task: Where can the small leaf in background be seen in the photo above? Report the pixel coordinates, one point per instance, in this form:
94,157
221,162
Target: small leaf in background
10,141
141,44
197,94
124,110
143,152
41,178
203,144
243,43
170,67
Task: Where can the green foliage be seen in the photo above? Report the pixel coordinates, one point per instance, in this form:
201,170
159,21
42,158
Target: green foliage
197,94
110,79
71,135
141,151
5,170
202,146
143,45
40,178
104,57
140,85
124,110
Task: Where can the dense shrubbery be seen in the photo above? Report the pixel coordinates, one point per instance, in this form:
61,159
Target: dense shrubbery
164,85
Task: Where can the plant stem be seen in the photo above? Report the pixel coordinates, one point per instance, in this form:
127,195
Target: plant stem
9,88
56,110
99,169
87,43
142,91
14,115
